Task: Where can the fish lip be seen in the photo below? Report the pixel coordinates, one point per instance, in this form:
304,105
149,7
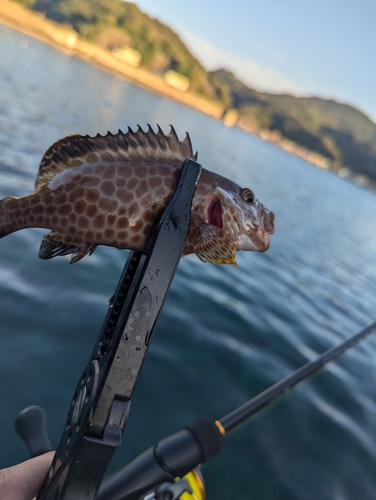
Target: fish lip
214,212
265,227
269,219
262,233
265,247
263,236
256,239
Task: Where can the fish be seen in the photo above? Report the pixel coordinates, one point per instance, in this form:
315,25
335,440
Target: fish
109,190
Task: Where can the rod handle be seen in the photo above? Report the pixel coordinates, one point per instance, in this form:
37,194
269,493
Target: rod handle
31,426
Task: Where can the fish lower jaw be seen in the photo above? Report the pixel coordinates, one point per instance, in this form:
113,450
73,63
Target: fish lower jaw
262,234
263,237
257,240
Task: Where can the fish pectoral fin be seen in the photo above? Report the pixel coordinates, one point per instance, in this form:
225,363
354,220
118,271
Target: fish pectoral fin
56,244
213,244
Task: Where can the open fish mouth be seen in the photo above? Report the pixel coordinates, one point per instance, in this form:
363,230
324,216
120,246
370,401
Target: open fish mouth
253,237
214,212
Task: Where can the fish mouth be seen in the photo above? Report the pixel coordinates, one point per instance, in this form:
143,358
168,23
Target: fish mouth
263,239
245,234
256,240
214,212
268,220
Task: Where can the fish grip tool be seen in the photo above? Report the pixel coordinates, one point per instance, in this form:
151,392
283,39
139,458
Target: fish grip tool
100,406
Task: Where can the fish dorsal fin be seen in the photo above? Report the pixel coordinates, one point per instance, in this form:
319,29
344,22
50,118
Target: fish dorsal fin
132,146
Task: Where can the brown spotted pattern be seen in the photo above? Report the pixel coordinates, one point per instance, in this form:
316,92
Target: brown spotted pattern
107,197
93,203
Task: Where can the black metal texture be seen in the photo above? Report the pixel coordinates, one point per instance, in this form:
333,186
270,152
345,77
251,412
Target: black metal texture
101,403
280,388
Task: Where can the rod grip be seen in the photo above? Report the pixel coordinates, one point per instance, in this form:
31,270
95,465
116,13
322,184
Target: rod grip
172,457
31,426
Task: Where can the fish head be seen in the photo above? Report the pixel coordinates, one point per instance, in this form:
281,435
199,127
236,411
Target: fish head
242,217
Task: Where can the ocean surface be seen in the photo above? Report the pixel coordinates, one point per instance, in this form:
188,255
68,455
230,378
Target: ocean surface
226,333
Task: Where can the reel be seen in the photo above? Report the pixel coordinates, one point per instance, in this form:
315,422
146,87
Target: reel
189,487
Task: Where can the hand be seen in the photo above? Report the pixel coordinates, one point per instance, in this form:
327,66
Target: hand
23,481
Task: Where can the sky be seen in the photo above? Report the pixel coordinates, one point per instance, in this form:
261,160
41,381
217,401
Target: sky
325,48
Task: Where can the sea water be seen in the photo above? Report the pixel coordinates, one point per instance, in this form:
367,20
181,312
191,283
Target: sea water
226,333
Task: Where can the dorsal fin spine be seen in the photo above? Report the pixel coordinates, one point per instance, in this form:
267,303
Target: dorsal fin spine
131,146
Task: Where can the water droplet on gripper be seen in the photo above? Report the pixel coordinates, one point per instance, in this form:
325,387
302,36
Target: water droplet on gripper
138,348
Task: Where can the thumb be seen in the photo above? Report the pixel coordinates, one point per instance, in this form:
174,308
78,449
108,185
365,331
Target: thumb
23,481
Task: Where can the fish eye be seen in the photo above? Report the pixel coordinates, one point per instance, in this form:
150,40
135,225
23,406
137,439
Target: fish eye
248,196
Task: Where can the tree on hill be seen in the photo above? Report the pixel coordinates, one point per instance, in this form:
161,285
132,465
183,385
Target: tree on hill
336,131
115,23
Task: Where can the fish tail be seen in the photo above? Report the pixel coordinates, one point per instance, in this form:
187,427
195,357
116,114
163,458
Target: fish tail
3,213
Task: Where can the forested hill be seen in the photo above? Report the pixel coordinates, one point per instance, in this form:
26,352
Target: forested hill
114,24
336,131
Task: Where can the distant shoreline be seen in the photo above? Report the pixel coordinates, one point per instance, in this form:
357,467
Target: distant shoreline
65,39
18,17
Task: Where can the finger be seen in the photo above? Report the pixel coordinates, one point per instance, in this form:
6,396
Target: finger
23,481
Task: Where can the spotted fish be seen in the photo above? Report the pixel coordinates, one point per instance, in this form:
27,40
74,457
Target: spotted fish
108,190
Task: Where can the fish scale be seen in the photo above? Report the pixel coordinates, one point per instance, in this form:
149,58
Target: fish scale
108,190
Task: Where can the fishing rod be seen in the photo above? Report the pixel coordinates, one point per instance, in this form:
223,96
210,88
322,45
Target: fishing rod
277,390
203,439
101,402
178,456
